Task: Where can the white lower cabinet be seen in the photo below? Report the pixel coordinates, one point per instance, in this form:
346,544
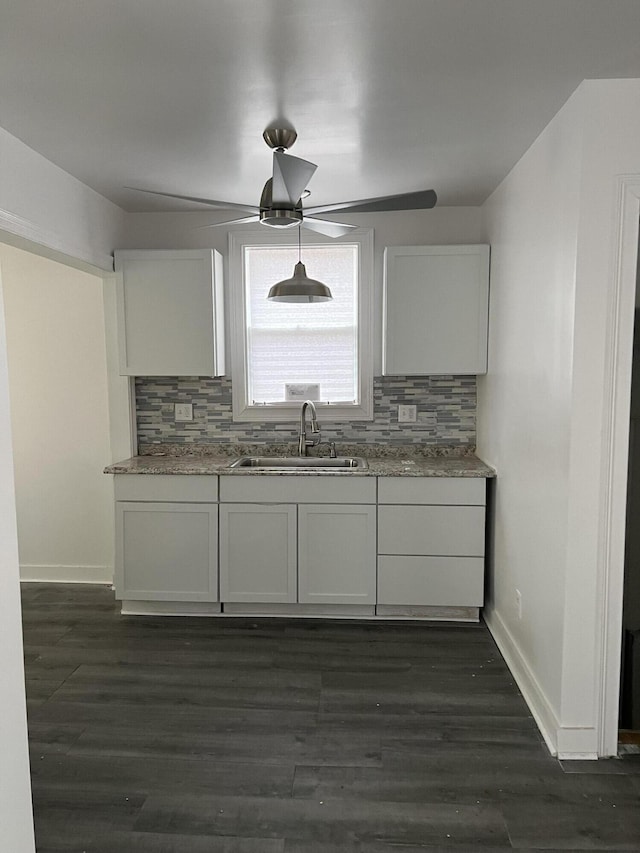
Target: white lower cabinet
431,542
392,546
310,540
336,554
166,551
166,538
258,553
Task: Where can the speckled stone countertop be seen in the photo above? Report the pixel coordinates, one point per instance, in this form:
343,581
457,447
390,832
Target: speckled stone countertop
384,461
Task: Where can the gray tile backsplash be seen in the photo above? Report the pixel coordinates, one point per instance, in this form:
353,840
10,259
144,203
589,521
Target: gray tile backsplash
446,407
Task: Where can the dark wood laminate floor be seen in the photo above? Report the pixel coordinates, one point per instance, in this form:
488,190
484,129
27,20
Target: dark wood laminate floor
181,735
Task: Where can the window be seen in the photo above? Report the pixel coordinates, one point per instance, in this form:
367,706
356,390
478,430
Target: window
278,346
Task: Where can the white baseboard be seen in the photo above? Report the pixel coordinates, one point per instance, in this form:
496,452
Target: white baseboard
577,743
569,743
66,574
539,705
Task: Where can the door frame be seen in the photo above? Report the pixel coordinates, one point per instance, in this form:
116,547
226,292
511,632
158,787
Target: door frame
615,458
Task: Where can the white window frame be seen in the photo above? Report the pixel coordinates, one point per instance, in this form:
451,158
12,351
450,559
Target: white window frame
243,410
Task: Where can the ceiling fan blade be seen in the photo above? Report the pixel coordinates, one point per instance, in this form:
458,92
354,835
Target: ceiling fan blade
231,222
421,200
228,205
290,178
329,229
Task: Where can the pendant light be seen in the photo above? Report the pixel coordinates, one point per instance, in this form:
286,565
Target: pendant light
299,288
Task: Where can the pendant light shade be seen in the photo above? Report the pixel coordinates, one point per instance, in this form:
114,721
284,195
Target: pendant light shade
299,288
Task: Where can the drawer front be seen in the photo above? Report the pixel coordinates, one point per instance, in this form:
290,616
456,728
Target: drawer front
437,581
464,491
167,487
456,531
262,488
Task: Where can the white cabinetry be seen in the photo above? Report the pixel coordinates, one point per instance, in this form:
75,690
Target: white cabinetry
436,304
258,552
166,538
301,545
310,540
336,554
170,312
431,542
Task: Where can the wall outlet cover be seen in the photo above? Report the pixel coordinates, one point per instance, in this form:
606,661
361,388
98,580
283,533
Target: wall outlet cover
183,411
407,414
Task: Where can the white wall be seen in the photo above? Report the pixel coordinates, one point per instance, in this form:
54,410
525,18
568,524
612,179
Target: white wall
60,419
16,822
442,225
524,401
545,403
46,206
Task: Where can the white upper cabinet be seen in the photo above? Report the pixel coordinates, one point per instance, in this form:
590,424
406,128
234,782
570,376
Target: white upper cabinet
436,308
170,312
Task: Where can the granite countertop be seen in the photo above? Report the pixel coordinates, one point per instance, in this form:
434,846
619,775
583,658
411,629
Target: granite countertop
383,462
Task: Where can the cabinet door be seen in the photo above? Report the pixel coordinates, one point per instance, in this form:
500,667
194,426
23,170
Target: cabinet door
436,308
166,551
336,554
170,313
258,552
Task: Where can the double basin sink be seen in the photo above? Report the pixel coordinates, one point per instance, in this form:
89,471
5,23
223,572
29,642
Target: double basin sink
291,463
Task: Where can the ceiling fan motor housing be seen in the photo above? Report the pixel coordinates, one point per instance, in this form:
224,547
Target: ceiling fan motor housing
281,217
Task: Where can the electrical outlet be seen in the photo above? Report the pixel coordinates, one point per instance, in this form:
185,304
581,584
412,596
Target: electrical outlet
519,603
183,411
407,414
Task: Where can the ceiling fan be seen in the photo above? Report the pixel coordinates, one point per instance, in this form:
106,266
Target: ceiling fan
281,200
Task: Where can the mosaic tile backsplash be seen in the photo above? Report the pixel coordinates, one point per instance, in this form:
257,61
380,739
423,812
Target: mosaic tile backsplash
446,410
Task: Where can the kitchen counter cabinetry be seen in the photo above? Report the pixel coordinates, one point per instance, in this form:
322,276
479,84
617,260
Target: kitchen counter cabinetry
170,312
431,536
436,310
166,542
289,544
308,540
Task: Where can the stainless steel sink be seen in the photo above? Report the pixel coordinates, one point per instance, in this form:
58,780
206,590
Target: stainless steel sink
341,463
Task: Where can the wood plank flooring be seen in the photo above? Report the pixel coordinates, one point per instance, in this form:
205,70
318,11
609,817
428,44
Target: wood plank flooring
181,735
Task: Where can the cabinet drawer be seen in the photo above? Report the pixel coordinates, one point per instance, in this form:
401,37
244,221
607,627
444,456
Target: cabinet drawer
432,490
337,489
166,487
437,581
433,530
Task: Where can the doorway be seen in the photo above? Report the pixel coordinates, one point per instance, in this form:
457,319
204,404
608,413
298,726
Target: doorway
56,354
629,717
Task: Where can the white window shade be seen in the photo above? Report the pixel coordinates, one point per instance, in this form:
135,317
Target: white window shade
298,342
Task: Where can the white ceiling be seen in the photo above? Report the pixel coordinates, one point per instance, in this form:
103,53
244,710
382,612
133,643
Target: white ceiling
387,96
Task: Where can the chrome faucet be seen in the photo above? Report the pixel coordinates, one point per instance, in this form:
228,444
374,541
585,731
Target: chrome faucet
305,443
